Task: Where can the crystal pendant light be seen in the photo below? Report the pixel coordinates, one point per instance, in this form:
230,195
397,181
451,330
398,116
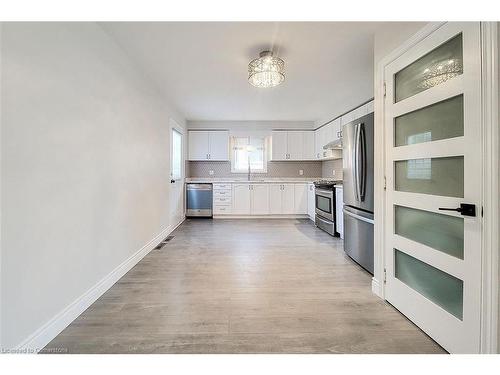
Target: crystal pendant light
266,71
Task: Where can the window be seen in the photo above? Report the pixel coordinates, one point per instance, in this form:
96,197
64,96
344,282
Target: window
247,151
176,155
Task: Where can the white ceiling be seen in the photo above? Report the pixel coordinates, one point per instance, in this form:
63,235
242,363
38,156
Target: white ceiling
201,67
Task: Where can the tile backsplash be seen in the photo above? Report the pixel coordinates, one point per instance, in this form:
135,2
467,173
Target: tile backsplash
332,165
274,169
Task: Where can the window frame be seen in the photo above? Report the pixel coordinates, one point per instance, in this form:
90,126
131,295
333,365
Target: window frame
265,152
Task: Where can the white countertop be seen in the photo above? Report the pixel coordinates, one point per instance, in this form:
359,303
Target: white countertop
254,180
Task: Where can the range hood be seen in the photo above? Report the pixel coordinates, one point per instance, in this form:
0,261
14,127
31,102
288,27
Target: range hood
334,145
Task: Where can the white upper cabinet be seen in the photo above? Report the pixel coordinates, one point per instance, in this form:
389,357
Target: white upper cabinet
218,145
292,145
198,145
279,145
324,135
295,145
209,145
308,146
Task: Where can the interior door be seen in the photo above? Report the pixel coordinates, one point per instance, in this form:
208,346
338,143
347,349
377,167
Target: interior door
433,171
176,175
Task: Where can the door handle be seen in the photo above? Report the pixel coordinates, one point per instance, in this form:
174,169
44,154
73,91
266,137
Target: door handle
465,209
172,181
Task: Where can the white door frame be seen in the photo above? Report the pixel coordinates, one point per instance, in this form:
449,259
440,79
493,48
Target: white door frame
490,155
174,125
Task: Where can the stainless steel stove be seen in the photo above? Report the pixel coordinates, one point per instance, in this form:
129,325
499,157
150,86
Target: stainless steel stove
325,205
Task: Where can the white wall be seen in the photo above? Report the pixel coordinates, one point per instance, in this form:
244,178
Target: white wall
84,167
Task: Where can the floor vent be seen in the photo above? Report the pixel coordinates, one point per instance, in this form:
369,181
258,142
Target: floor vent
164,242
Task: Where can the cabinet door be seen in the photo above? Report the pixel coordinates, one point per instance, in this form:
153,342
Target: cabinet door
279,145
339,214
241,199
308,145
218,145
275,204
260,199
318,147
337,128
288,199
295,140
198,145
311,201
300,199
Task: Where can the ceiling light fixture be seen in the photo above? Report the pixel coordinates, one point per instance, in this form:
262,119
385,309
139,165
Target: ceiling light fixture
266,71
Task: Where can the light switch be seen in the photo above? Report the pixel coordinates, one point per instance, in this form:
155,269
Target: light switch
301,172
333,173
211,172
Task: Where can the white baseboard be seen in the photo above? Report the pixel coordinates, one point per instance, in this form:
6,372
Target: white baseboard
42,336
376,288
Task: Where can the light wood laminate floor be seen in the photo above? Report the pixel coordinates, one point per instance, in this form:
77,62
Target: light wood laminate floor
244,286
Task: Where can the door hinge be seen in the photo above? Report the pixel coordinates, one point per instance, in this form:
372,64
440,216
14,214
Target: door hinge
385,183
385,90
385,276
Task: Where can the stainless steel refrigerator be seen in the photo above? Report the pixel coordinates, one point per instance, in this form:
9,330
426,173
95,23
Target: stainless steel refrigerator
357,145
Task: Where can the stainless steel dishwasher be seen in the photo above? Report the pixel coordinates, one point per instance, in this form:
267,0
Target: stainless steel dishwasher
199,200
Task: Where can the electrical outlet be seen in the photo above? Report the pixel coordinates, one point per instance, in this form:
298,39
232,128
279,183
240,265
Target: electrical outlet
211,172
301,172
333,173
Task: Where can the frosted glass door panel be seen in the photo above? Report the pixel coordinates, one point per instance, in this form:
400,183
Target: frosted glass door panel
438,176
440,287
441,232
438,121
438,66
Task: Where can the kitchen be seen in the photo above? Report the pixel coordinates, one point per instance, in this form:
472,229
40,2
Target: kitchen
304,181
249,187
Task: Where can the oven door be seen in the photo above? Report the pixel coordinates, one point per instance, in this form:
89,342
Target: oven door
325,204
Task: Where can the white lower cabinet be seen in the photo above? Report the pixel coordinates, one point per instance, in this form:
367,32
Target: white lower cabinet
282,199
262,199
288,199
259,199
339,206
311,201
275,192
300,199
241,199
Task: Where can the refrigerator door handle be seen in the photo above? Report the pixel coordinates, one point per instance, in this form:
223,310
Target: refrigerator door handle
362,155
356,162
359,217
